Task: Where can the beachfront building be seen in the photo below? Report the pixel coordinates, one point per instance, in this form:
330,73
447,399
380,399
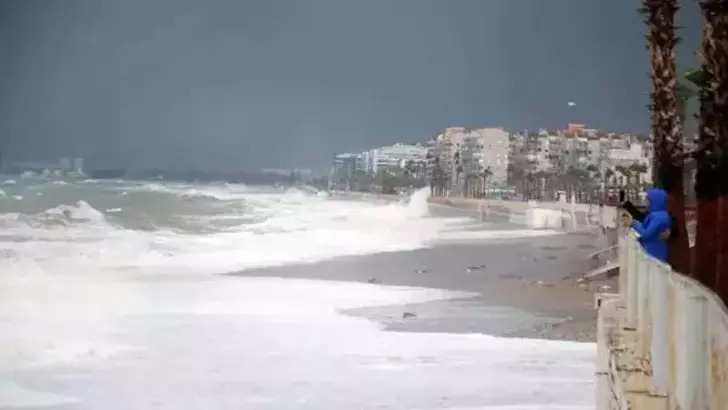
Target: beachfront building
399,156
494,153
78,165
463,162
552,164
345,167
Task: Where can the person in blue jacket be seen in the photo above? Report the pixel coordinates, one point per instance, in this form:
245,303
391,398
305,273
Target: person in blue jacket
655,223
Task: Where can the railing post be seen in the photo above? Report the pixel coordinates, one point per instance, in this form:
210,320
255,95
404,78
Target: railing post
632,286
660,328
692,390
607,312
623,269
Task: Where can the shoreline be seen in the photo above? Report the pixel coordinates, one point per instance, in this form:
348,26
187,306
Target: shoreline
522,287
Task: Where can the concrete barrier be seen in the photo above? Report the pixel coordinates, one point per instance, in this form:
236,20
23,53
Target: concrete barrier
550,215
662,342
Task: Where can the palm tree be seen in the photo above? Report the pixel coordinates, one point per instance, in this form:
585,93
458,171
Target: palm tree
659,16
711,187
485,173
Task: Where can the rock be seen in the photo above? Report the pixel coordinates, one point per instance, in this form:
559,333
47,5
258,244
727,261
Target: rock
421,271
605,287
407,315
373,281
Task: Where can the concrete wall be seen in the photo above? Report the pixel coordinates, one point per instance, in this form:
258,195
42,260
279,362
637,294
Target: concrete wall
662,341
551,215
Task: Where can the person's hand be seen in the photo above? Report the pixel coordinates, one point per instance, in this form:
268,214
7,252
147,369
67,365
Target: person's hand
626,220
665,235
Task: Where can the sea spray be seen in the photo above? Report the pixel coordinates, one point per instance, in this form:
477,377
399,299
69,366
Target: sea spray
418,205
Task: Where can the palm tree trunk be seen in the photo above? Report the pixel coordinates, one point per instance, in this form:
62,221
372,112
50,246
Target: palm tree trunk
666,126
711,184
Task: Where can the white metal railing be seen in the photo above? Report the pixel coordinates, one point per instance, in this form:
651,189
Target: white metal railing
682,328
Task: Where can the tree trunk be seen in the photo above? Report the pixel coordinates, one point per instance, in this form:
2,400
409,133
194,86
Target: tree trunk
711,184
714,140
666,125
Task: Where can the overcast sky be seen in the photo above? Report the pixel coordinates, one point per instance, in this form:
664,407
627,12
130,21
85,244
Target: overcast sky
243,84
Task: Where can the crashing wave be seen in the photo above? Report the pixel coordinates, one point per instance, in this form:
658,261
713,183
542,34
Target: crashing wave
194,193
9,182
80,212
155,188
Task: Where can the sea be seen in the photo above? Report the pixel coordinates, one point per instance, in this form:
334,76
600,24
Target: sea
114,295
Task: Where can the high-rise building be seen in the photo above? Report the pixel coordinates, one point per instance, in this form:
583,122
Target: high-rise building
393,156
78,165
494,152
345,165
64,164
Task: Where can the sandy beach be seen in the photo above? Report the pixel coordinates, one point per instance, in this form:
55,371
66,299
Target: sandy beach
525,287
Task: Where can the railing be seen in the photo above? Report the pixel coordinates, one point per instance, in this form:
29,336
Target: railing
682,331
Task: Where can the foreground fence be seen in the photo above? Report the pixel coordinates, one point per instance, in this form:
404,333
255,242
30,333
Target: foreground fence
663,341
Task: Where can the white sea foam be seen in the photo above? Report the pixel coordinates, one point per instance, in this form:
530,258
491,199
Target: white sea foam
2,193
293,228
291,332
81,212
154,187
221,194
79,290
9,182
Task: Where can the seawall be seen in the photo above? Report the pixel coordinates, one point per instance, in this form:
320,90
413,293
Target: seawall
662,340
551,215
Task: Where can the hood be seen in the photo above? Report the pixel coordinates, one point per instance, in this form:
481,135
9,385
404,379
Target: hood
658,199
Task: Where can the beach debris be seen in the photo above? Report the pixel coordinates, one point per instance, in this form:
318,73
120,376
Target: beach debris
474,268
407,315
421,271
374,281
605,287
581,279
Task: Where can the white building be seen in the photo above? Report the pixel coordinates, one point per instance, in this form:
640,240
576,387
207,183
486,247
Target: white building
393,156
78,165
494,152
64,164
345,166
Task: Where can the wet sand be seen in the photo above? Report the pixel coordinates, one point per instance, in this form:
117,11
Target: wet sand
525,287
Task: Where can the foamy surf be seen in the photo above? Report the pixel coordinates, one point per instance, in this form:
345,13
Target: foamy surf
233,341
131,300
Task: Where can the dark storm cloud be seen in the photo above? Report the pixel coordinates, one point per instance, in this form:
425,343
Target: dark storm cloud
245,84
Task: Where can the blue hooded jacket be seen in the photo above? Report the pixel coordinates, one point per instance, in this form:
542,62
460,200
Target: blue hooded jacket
656,222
